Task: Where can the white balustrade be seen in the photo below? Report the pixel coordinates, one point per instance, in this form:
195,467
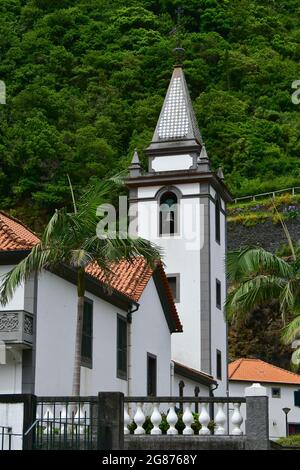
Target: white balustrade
204,419
153,411
236,420
188,419
126,419
79,419
63,420
139,419
48,420
220,420
172,419
155,420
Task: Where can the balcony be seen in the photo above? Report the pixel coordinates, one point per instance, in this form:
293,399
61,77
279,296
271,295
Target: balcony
16,328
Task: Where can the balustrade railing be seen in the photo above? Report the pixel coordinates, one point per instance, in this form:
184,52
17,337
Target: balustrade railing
63,423
162,415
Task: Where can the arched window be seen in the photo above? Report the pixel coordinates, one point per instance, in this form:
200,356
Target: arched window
168,213
217,219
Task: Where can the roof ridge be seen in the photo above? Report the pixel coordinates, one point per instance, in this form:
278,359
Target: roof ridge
12,234
280,368
14,219
239,361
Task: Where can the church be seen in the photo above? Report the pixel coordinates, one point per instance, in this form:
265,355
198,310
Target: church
156,332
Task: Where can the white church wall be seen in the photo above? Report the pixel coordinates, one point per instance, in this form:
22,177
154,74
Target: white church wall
150,334
218,324
180,252
56,326
17,302
11,371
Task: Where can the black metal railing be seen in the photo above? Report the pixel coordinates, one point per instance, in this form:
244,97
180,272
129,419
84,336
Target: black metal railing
65,423
6,435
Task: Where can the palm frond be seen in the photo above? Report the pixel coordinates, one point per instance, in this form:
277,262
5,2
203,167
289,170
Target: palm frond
251,261
250,294
291,331
295,359
35,261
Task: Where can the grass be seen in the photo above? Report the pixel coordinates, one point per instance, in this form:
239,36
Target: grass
250,213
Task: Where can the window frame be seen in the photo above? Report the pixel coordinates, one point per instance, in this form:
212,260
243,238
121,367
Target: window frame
177,286
272,392
86,361
159,195
154,358
219,364
218,207
218,290
121,373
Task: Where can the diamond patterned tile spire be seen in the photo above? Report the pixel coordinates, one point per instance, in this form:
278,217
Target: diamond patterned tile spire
177,122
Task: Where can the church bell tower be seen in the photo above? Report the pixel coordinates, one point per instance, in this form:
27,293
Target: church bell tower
180,205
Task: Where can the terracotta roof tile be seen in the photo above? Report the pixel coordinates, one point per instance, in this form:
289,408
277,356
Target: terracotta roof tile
131,278
256,370
14,235
127,278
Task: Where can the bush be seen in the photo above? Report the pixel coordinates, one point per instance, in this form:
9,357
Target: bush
291,441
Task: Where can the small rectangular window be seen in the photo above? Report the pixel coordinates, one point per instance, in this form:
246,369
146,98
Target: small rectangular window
218,294
87,334
276,392
297,397
121,347
219,365
173,280
218,220
151,375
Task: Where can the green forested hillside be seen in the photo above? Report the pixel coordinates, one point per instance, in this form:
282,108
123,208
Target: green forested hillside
86,78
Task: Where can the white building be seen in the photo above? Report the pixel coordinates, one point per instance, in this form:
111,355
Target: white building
180,204
126,342
283,390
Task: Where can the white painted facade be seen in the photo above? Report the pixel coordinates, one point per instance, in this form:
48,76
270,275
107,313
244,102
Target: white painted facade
178,164
55,343
182,255
277,424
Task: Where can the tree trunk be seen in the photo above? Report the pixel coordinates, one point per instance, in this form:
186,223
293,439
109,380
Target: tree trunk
78,338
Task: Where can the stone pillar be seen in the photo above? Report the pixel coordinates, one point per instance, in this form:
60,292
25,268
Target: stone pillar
110,421
257,422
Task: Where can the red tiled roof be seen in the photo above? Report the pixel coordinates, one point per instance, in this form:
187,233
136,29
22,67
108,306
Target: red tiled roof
131,277
14,235
127,278
193,374
256,370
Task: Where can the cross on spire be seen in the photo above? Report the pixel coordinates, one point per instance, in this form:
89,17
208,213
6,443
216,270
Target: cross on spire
178,50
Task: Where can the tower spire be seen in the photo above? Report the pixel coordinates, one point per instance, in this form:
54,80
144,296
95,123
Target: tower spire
135,166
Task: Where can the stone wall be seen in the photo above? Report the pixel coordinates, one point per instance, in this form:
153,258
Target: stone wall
268,235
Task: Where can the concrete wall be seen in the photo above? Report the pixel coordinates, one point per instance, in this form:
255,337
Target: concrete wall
277,426
268,235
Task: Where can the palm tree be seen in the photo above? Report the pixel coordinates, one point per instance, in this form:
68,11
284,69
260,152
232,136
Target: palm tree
70,240
258,277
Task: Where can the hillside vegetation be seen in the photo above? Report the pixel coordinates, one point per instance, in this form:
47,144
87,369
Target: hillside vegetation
86,79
